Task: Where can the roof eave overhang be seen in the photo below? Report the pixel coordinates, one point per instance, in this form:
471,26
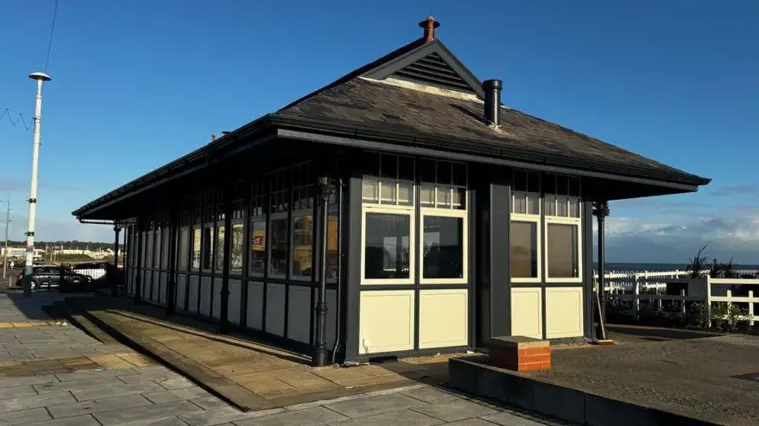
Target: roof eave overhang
228,144
308,130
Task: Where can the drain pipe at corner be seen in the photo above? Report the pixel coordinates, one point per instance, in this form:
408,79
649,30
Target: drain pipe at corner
338,298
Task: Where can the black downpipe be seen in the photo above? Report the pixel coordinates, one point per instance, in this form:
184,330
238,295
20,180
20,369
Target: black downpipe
492,89
338,300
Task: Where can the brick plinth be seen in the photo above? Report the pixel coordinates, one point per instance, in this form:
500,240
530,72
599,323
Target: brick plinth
519,353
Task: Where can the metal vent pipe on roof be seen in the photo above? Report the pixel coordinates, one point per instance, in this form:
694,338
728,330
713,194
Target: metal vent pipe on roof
492,89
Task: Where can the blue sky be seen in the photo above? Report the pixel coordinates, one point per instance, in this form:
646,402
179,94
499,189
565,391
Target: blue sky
137,83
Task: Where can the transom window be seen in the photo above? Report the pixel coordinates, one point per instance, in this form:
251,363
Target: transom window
278,246
443,184
389,180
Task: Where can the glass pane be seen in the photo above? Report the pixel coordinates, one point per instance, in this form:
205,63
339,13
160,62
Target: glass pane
444,172
405,193
533,182
533,203
524,249
427,195
428,171
443,196
278,265
561,206
303,245
184,241
459,198
258,247
459,174
574,207
220,248
332,247
389,169
406,168
520,203
387,252
196,248
550,205
370,162
207,248
388,191
370,191
149,255
549,184
574,186
520,181
443,247
157,249
236,251
562,251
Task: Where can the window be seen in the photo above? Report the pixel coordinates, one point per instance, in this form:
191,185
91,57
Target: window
165,247
221,232
332,240
387,252
562,228
196,248
523,249
151,248
302,222
562,242
236,250
184,242
258,209
207,251
389,180
388,220
443,247
278,260
443,184
524,229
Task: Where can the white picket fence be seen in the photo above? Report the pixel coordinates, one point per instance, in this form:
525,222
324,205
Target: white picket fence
698,290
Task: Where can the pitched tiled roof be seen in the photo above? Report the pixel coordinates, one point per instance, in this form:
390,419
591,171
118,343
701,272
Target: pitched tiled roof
389,107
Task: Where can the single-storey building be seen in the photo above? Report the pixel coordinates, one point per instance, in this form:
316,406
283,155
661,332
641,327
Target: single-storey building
402,209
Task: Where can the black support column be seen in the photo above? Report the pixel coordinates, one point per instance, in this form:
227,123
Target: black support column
601,211
116,276
224,314
138,273
320,354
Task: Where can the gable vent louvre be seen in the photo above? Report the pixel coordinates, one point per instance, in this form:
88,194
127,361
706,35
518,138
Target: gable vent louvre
434,71
492,89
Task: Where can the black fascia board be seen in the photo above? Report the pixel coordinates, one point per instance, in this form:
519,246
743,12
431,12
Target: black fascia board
475,147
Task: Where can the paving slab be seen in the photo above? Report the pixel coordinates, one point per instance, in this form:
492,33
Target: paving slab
46,400
91,393
97,406
455,410
145,413
214,416
400,417
32,415
71,421
307,417
375,405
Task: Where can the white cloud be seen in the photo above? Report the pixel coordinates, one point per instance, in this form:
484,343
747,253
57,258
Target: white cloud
729,234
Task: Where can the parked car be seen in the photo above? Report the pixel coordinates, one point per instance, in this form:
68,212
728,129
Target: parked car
95,270
44,276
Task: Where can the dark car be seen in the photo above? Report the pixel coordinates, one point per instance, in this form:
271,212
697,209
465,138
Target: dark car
44,276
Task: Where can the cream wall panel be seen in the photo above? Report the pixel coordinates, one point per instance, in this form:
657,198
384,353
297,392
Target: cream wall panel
329,339
192,303
386,321
235,294
275,309
181,290
255,306
443,318
205,295
299,314
216,311
147,288
162,288
564,312
526,312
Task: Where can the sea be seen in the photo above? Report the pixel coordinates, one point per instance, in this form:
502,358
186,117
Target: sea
654,267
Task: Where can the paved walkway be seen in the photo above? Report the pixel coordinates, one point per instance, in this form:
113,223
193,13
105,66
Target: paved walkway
109,384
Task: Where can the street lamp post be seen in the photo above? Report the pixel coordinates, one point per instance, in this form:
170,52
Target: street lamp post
7,223
29,267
